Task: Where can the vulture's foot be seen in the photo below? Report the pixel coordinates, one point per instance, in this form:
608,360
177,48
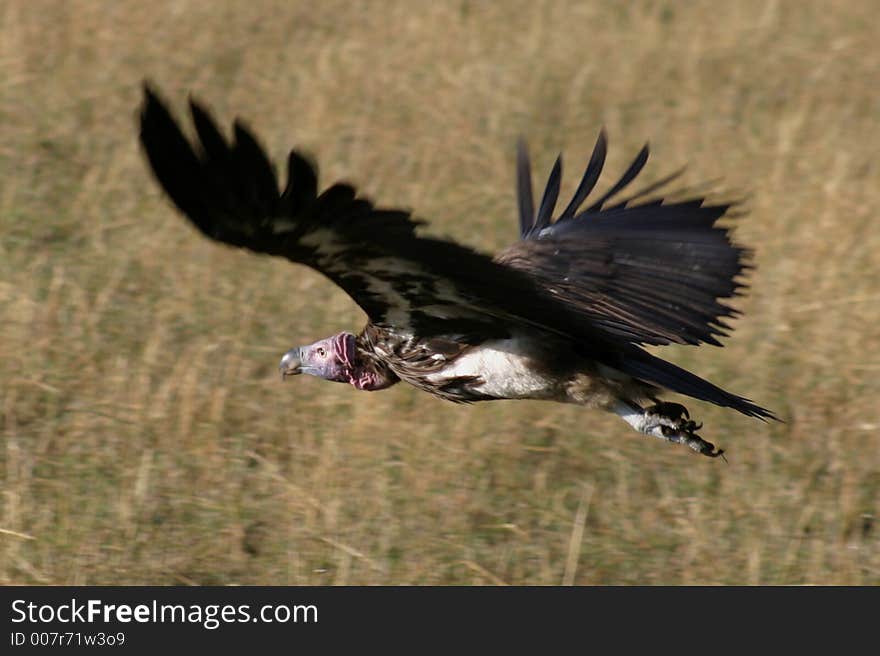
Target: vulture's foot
672,422
668,421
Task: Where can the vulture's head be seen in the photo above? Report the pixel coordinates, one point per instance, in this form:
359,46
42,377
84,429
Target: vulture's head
331,359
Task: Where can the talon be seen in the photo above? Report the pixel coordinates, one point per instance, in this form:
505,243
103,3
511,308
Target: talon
716,454
669,410
705,448
691,426
672,422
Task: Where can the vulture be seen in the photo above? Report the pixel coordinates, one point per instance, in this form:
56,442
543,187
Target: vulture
561,315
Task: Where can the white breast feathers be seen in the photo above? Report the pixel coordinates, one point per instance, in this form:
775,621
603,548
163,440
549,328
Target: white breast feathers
505,366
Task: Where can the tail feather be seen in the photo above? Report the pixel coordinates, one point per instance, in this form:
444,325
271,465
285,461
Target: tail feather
651,369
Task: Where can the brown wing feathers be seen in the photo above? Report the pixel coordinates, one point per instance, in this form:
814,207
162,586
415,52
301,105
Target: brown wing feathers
649,273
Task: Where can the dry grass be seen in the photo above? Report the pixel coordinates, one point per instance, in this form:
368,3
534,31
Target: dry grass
146,438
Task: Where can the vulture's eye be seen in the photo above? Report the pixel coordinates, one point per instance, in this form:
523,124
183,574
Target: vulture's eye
321,351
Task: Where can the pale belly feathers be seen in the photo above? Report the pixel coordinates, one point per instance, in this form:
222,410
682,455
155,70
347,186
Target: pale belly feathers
505,368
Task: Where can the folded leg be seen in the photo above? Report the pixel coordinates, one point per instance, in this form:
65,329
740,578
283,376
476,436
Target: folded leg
667,421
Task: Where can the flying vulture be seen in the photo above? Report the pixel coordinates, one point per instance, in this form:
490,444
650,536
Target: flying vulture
560,315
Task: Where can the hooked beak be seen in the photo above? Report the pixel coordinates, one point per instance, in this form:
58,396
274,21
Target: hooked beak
291,363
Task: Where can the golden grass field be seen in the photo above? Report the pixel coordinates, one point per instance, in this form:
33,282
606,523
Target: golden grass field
146,438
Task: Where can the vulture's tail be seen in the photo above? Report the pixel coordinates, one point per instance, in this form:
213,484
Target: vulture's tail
651,369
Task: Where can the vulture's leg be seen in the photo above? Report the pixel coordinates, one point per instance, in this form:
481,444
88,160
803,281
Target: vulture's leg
668,421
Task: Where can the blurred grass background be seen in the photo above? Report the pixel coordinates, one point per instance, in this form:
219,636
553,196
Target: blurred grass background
146,437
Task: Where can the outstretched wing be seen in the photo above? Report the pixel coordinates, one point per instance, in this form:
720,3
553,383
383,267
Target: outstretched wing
413,285
649,272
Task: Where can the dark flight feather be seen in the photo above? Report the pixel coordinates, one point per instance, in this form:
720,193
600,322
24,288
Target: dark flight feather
591,177
551,194
524,189
634,169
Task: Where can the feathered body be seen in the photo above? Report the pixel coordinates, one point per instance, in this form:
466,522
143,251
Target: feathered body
519,366
560,315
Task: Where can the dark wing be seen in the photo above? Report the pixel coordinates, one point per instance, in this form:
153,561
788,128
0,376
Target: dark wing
411,284
649,272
